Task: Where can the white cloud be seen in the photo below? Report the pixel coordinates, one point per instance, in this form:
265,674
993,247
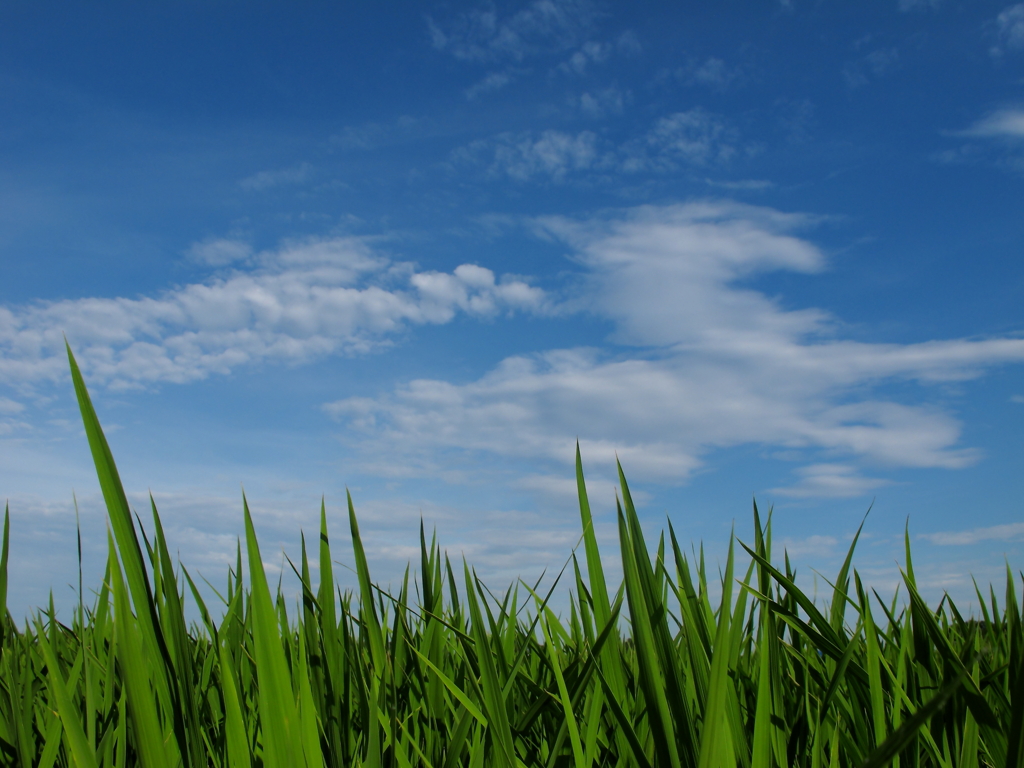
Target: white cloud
542,27
1004,123
702,363
1009,30
1007,532
304,300
267,179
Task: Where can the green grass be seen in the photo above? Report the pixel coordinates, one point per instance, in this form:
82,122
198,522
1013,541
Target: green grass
444,673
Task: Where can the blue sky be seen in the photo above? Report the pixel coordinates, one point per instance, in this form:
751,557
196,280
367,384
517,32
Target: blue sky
417,250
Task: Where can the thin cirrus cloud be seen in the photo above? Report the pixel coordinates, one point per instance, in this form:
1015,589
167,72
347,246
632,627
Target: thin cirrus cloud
695,137
1006,532
875,64
523,156
696,362
829,481
264,180
306,299
494,81
542,27
1003,123
219,251
604,101
1009,26
714,73
906,6
998,136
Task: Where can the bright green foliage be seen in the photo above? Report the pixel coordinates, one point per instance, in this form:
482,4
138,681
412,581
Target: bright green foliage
652,674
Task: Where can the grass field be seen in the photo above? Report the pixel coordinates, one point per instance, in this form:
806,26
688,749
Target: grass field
448,673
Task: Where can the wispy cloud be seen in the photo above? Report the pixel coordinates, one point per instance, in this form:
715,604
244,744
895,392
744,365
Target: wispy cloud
816,545
304,300
10,407
906,6
606,101
494,81
741,185
372,135
695,137
999,139
712,72
829,481
1003,123
542,27
1007,532
692,138
1009,27
522,156
875,64
219,251
258,182
715,73
701,363
590,52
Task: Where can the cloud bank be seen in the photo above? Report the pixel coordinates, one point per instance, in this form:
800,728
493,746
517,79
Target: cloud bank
697,361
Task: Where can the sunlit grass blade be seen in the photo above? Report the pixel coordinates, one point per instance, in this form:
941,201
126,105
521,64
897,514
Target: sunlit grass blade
494,701
120,517
371,622
715,747
278,716
238,755
156,749
3,570
651,677
83,753
563,694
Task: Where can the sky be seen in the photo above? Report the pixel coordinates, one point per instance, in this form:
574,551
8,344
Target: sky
762,251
